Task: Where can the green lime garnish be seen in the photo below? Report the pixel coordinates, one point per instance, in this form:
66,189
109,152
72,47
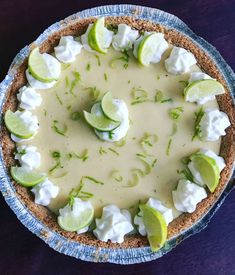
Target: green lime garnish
16,125
208,170
147,48
109,108
96,36
203,88
39,68
98,120
71,223
155,226
26,177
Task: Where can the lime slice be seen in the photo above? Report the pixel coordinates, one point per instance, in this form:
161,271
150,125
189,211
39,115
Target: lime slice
203,88
25,177
109,108
96,36
16,125
39,68
155,226
147,48
70,222
98,120
208,170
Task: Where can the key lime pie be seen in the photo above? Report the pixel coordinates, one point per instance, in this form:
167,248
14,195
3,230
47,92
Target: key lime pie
114,131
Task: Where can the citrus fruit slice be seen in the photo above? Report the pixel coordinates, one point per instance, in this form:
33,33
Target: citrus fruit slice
208,170
203,88
43,67
109,107
155,226
98,120
147,48
16,125
72,222
96,36
26,177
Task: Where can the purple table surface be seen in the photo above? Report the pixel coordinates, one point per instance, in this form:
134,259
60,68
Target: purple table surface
210,252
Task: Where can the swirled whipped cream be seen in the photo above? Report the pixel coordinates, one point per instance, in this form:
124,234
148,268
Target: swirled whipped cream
196,175
213,124
44,192
179,61
124,38
38,85
113,225
68,49
28,156
29,99
195,76
121,131
161,48
156,204
78,207
108,36
29,120
187,196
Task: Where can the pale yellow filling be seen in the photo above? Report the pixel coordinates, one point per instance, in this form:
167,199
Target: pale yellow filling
145,117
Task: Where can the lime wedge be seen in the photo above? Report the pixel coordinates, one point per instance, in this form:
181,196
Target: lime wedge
155,226
96,36
70,222
147,49
208,170
98,120
16,125
26,177
109,108
203,88
39,68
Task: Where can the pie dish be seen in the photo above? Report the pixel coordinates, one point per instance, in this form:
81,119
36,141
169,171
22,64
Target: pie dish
135,248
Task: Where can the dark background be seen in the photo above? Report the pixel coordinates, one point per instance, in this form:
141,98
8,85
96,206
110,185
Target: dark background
210,252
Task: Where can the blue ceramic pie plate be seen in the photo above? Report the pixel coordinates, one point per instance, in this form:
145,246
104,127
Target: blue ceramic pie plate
52,238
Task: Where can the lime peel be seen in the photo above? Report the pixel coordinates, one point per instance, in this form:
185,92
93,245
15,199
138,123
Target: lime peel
200,89
155,226
26,177
38,67
109,108
16,125
208,170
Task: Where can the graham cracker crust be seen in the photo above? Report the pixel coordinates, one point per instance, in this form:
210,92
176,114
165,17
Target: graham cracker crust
227,150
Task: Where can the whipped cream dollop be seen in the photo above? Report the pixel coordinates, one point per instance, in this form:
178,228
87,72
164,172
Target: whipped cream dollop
157,205
76,210
213,124
121,131
28,156
179,61
113,225
108,36
160,49
196,76
124,38
193,169
29,99
67,49
44,192
38,85
187,196
30,121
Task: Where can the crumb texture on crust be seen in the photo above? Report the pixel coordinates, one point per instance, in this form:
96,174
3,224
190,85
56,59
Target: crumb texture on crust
227,146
